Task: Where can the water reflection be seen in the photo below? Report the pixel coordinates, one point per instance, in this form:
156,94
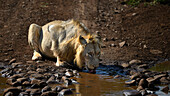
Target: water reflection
98,85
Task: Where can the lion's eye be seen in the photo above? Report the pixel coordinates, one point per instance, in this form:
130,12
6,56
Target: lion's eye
90,54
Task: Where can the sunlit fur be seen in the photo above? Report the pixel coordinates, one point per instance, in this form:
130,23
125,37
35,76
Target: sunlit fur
68,41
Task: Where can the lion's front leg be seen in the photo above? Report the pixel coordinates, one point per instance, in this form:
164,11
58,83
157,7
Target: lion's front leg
59,62
36,56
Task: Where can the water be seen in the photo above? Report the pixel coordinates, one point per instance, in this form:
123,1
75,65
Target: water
103,82
164,66
3,84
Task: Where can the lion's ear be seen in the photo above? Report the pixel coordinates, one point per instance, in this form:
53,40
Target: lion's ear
81,40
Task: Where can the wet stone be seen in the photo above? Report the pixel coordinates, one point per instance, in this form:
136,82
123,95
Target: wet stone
143,83
14,90
23,94
165,89
35,92
65,92
130,82
12,61
49,93
69,74
58,88
132,93
26,83
9,94
45,89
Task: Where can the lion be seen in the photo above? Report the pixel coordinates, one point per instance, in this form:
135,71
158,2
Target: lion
68,41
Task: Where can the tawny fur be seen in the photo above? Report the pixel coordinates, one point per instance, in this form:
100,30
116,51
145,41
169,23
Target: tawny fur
68,41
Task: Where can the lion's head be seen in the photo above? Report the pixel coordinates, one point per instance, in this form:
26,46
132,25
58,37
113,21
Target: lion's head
88,52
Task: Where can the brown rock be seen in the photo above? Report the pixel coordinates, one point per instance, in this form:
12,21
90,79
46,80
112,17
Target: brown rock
26,83
121,44
134,61
139,88
125,65
143,83
10,82
130,82
9,94
13,90
49,93
165,89
136,75
156,52
12,61
65,92
45,89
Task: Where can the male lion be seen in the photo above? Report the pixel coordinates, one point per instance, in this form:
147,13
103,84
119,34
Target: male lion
68,41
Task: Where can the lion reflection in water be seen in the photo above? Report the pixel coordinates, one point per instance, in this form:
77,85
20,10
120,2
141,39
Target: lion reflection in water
68,41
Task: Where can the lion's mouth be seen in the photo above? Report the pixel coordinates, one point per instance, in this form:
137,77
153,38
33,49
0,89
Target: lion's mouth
92,71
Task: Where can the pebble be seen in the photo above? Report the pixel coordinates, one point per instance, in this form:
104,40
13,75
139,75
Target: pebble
132,93
13,90
65,92
23,94
45,89
9,94
49,93
130,82
135,61
12,61
121,44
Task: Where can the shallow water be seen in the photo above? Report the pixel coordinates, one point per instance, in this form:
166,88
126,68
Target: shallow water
102,83
3,84
164,66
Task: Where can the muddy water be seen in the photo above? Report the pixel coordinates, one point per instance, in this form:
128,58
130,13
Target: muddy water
3,84
164,66
99,85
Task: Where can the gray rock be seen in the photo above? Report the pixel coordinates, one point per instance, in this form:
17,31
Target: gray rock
65,92
135,61
13,90
12,61
132,93
23,94
9,94
45,89
130,82
49,93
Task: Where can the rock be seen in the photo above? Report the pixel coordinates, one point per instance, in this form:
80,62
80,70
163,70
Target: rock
10,81
26,83
69,74
45,89
23,94
9,94
134,14
16,76
74,81
132,93
143,92
156,78
143,83
151,95
121,44
112,45
65,92
13,90
16,83
29,62
49,93
12,61
18,64
156,52
130,82
136,75
113,39
152,87
33,92
52,80
39,70
105,39
125,65
139,88
67,82
165,89
145,66
42,84
134,61
58,88
35,86
164,80
2,65
35,81
21,80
